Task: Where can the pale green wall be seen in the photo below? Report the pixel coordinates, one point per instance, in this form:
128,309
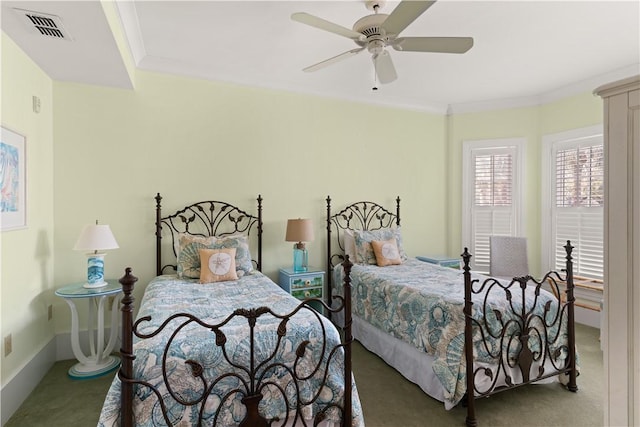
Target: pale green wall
193,140
574,112
531,123
27,255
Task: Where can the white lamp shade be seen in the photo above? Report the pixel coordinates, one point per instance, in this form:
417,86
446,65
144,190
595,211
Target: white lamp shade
299,230
96,238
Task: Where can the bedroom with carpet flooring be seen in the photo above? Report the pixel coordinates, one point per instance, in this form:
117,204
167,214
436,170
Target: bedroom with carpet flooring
339,220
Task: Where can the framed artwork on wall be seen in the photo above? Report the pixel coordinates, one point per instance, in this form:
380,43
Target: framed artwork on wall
13,185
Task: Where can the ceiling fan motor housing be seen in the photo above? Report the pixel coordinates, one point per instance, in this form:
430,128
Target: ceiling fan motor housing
371,27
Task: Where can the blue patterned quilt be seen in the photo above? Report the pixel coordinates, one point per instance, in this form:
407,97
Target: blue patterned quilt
213,302
422,304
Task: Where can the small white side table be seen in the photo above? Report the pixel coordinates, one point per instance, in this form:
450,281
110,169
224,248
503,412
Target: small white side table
99,361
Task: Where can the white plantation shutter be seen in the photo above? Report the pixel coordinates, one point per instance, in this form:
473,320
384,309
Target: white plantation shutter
493,209
577,212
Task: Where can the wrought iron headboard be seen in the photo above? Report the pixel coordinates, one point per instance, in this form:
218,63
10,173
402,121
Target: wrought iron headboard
207,218
362,215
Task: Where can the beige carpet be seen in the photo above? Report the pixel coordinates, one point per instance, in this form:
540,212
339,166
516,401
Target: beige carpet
388,400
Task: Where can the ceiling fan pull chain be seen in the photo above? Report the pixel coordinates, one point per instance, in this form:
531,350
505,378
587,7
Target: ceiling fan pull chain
375,80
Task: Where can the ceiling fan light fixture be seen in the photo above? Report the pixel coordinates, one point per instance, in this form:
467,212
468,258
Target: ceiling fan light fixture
375,47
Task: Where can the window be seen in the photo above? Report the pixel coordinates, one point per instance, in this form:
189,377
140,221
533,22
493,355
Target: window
575,196
491,195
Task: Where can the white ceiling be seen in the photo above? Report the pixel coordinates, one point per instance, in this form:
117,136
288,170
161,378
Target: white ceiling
525,52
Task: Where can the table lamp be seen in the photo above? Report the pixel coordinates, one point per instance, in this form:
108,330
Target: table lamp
299,231
95,238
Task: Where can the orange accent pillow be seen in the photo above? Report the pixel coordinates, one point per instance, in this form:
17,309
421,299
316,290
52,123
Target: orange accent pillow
217,265
386,252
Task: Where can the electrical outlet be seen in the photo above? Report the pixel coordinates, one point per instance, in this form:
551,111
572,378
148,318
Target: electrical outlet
50,312
7,345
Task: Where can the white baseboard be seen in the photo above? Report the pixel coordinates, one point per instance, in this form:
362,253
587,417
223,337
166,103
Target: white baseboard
588,317
24,382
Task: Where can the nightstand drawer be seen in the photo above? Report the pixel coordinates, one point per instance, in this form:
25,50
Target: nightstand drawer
307,282
307,293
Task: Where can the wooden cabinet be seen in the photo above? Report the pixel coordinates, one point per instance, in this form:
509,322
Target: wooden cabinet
621,333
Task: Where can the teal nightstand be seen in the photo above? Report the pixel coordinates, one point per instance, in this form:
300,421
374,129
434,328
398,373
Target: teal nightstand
309,284
442,260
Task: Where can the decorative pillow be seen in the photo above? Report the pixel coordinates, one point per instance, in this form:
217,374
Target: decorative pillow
243,256
363,239
386,252
349,245
217,265
189,256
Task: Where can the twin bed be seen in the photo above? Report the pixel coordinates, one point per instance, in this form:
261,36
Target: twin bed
238,350
234,350
458,336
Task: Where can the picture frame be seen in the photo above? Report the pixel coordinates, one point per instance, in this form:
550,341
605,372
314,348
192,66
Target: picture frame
13,180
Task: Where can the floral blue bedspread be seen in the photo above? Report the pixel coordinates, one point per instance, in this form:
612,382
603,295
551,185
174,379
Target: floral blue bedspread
212,303
422,304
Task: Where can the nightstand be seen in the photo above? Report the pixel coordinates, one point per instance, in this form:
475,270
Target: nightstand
308,284
442,260
99,361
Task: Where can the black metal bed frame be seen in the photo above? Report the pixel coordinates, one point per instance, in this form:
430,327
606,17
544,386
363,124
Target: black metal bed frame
208,215
516,335
361,215
206,218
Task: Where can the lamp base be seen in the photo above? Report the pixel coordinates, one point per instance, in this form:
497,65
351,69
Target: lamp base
300,258
95,270
94,285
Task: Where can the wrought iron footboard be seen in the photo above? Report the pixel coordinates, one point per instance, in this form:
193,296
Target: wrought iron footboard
536,337
252,379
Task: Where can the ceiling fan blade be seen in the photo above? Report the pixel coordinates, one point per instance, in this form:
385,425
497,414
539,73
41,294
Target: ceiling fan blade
333,60
325,25
385,70
404,14
433,44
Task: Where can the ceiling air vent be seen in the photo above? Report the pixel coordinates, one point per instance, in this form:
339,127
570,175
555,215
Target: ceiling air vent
43,24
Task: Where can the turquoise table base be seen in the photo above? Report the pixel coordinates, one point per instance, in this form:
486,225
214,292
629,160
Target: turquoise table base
80,371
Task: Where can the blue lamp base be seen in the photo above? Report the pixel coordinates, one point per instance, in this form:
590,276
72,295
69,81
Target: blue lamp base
300,258
95,271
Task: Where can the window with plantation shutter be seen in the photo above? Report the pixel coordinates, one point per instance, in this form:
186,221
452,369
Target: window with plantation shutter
491,201
573,200
578,208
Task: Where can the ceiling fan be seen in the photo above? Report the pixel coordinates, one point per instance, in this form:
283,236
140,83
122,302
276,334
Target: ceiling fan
376,32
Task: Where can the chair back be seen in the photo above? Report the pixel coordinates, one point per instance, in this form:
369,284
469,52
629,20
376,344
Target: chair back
508,257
